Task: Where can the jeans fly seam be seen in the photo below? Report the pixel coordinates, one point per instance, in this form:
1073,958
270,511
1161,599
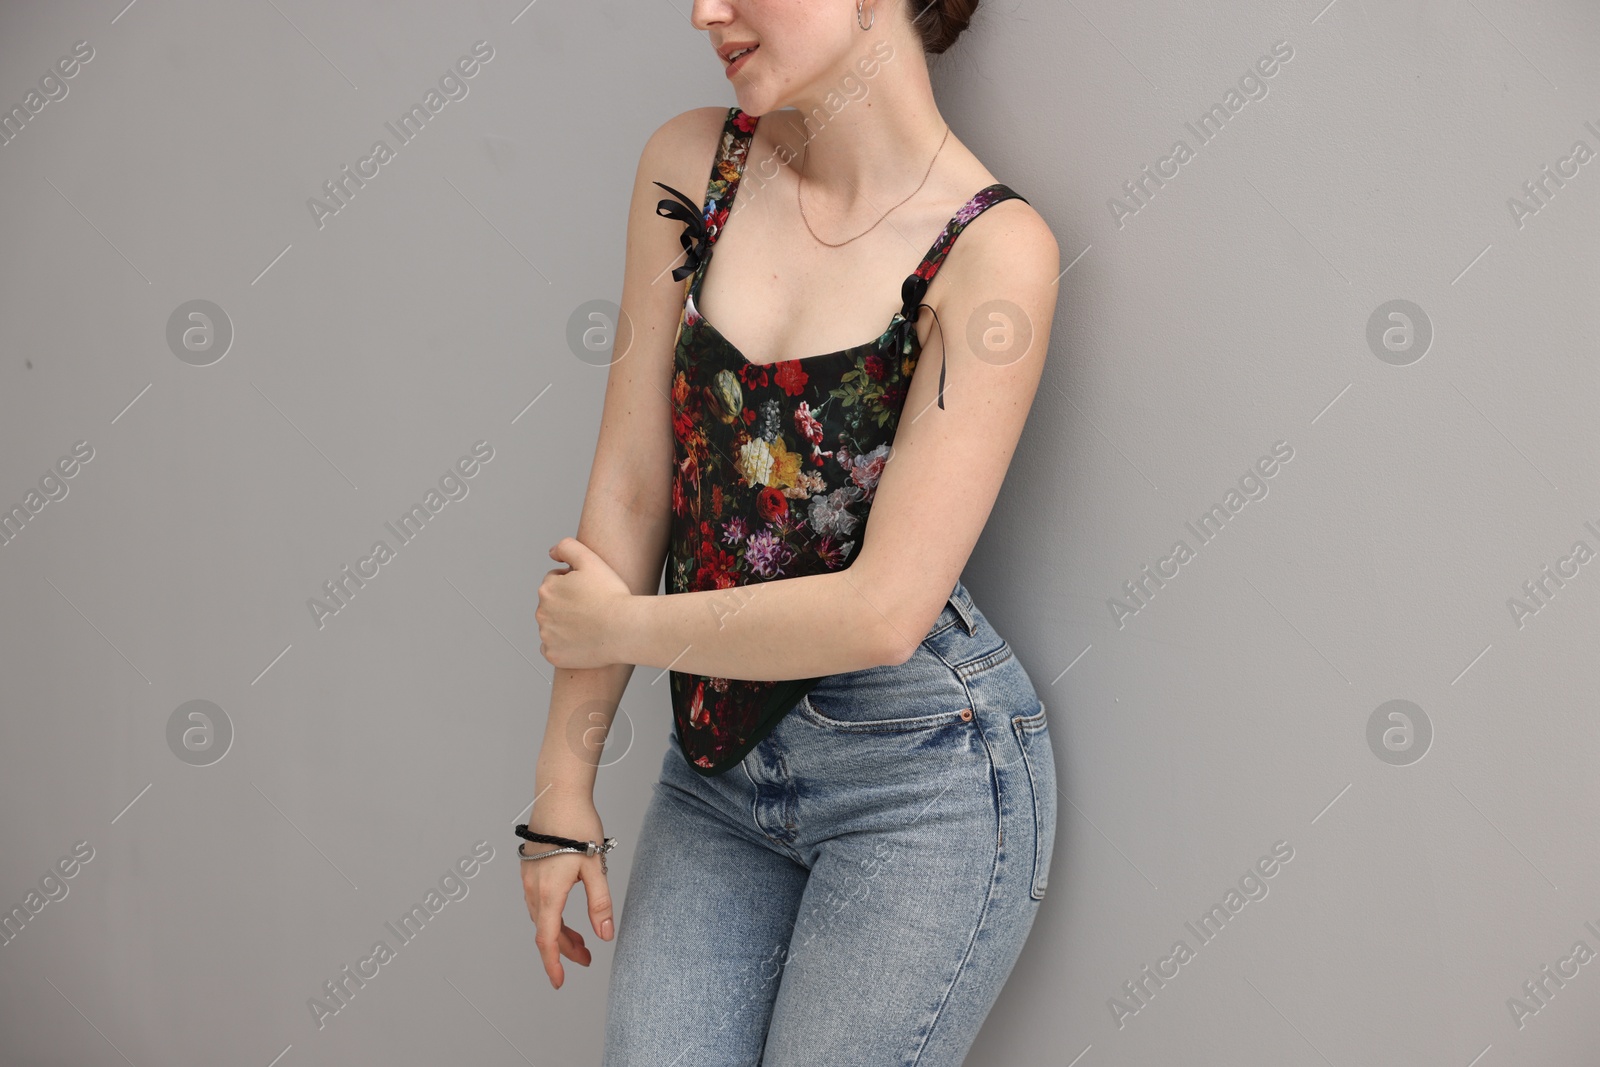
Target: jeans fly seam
755,819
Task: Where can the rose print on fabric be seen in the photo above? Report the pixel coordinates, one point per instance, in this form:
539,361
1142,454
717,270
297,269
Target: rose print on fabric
775,466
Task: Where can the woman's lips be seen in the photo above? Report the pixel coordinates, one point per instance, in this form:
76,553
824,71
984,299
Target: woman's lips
738,64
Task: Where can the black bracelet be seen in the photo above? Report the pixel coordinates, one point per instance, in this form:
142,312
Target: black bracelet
550,839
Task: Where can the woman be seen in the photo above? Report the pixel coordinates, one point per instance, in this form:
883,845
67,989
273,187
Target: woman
851,831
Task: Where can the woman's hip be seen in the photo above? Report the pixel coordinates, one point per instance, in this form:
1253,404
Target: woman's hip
951,743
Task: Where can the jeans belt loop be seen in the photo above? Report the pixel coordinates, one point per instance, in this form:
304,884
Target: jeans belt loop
965,614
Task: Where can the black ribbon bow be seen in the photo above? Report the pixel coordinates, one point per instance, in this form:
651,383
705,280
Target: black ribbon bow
695,238
912,290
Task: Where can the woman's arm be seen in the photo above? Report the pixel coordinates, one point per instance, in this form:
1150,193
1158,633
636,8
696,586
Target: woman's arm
945,471
803,627
626,515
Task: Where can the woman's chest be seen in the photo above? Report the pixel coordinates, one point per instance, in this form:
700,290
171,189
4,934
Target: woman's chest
775,302
852,397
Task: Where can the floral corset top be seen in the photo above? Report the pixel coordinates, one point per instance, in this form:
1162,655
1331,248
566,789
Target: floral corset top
775,465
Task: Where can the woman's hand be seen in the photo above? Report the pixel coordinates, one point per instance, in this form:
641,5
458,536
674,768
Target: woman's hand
547,883
581,608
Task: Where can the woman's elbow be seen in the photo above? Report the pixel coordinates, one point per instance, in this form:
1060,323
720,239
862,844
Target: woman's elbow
892,637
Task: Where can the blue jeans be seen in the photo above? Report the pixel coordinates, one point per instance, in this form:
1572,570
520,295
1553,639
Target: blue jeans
857,890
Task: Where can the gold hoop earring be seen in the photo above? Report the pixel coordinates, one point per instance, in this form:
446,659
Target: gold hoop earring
870,21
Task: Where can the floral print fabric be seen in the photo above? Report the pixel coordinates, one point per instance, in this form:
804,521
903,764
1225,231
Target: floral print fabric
775,465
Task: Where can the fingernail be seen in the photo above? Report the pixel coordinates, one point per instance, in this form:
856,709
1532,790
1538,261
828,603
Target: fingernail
605,929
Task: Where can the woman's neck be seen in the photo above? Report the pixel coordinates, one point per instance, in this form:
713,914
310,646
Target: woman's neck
864,158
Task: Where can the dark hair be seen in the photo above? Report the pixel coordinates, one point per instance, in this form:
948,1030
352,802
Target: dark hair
940,22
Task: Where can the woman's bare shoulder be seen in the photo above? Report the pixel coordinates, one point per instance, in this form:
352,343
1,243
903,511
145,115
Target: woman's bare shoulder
1007,253
1010,237
682,147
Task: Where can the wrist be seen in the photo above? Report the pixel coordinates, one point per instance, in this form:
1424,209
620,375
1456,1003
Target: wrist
567,786
568,780
633,629
568,814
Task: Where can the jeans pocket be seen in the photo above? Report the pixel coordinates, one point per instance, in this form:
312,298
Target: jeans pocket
1033,735
920,694
864,715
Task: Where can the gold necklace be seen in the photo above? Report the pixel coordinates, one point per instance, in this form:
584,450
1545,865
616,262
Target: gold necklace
801,181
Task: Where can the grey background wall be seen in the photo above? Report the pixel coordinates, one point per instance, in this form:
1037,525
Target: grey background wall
1430,464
